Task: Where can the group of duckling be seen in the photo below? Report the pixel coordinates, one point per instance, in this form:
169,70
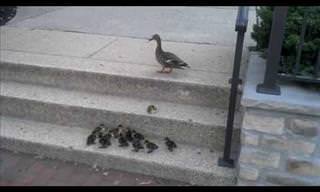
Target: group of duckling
125,136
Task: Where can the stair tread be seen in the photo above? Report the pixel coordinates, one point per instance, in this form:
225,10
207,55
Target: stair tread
166,110
184,157
116,68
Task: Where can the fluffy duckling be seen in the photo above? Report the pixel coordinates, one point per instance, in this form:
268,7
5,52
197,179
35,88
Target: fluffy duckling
122,141
137,145
128,135
152,109
96,131
137,135
99,130
170,144
116,131
150,146
91,139
105,140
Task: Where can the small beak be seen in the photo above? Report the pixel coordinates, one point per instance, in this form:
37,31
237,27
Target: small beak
150,39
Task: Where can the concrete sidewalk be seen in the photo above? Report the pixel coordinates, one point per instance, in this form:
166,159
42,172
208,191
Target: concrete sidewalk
206,58
19,169
211,65
208,25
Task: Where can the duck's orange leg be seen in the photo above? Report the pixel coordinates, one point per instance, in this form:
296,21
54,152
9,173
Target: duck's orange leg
162,70
169,70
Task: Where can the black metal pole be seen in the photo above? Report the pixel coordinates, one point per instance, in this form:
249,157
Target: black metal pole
226,160
317,67
269,85
241,27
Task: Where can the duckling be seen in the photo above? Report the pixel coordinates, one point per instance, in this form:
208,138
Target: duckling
152,109
136,144
137,135
128,135
167,59
105,140
116,131
103,127
91,139
122,141
150,146
96,130
170,144
103,130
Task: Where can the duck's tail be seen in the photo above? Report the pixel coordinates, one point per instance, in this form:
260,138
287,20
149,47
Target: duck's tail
184,65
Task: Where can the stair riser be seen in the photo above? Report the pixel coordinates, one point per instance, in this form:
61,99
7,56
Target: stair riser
181,131
177,92
114,162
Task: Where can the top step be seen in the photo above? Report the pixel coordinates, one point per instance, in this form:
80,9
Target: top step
116,65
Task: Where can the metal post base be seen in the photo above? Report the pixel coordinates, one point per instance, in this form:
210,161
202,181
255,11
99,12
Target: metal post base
226,162
271,91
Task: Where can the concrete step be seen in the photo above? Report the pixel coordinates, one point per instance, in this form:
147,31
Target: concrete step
187,163
201,126
206,88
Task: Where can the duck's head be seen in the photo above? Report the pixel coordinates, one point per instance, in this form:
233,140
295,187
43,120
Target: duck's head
155,37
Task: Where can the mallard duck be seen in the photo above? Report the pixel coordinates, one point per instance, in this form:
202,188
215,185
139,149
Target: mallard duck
167,59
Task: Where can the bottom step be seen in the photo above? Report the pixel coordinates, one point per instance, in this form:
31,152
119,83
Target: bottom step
187,163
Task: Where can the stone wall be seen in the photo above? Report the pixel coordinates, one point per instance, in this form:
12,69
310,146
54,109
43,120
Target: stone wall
280,135
279,149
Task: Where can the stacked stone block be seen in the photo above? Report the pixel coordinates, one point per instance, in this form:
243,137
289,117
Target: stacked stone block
279,148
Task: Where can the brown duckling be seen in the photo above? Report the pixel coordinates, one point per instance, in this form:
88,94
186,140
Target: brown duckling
122,141
170,144
150,146
137,145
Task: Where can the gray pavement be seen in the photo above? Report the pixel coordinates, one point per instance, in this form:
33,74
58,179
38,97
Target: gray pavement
27,12
19,169
210,25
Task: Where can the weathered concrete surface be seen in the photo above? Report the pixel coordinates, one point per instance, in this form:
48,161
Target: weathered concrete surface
188,87
21,169
191,124
118,57
198,56
214,25
209,58
52,42
293,98
28,12
186,163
